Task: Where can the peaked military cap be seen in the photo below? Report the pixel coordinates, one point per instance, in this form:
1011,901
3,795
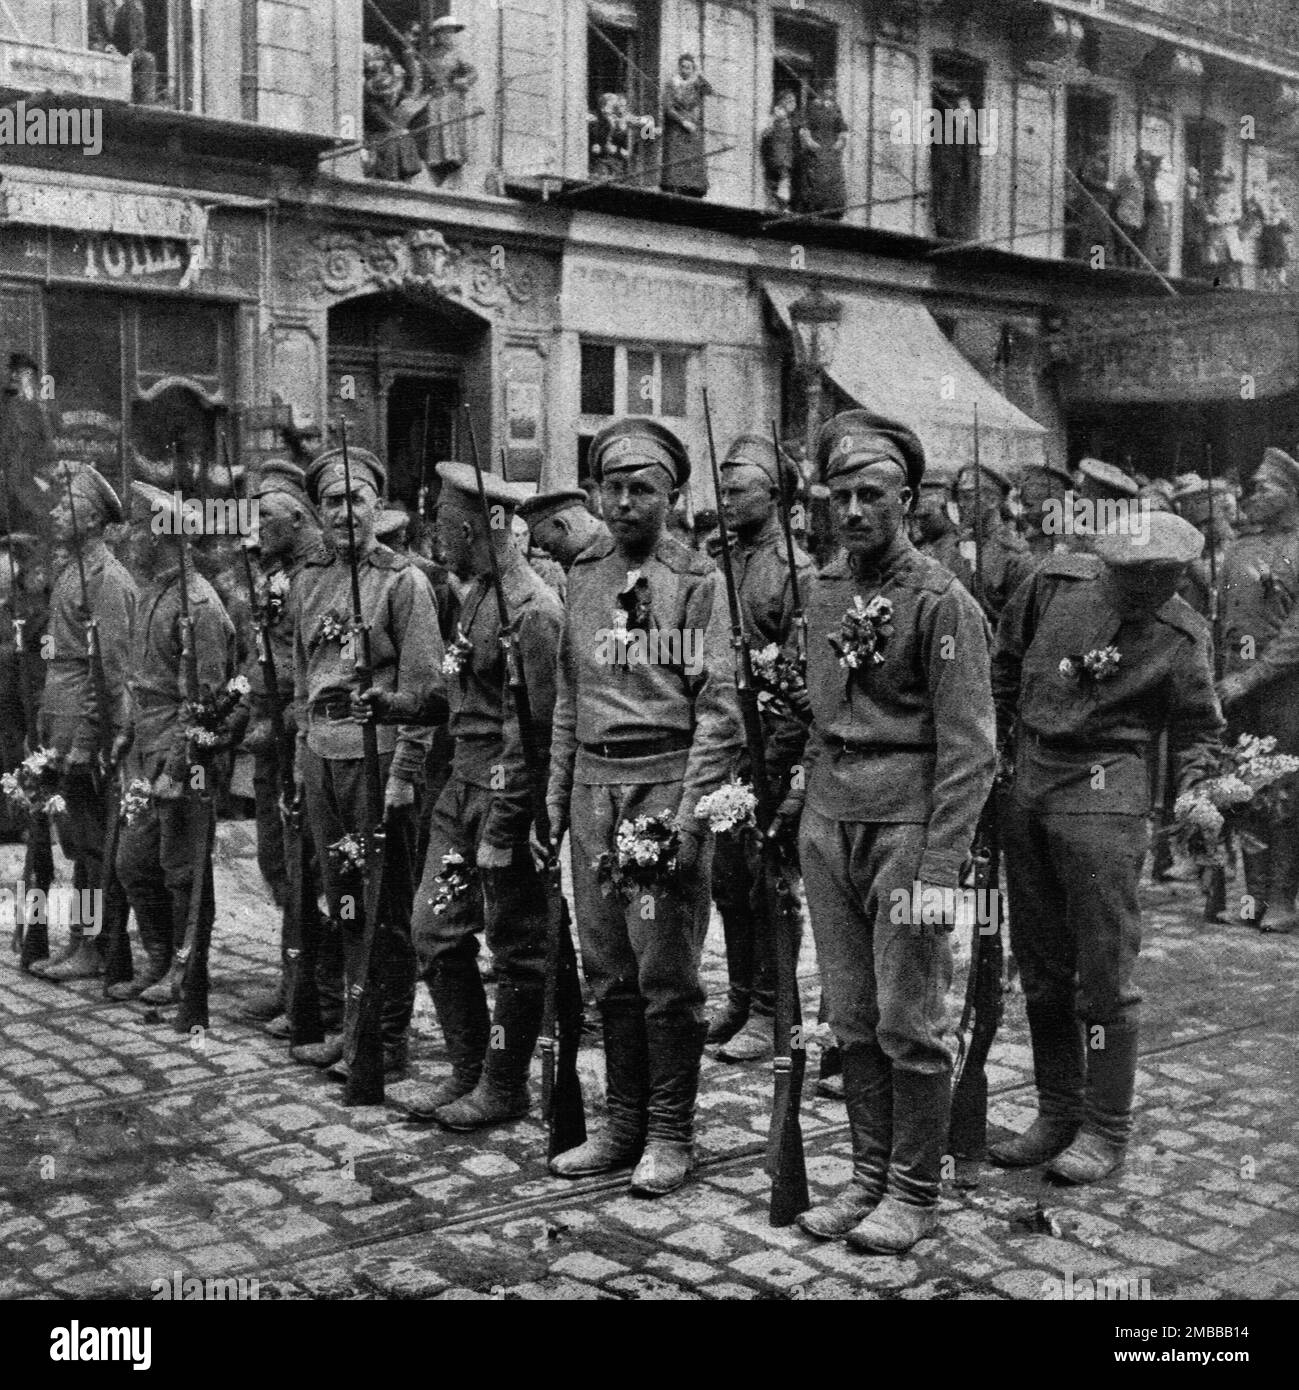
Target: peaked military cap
855,438
758,451
1191,497
544,504
1108,477
89,485
1166,539
1054,467
998,476
328,469
1283,465
148,501
281,475
464,481
637,442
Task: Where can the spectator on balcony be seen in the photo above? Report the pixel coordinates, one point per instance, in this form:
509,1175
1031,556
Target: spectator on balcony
1087,228
1129,210
1156,203
685,161
777,146
1224,253
26,451
1195,229
822,135
118,26
614,131
443,134
1267,214
389,105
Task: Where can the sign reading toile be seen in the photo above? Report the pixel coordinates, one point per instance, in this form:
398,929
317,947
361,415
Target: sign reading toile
1194,348
82,206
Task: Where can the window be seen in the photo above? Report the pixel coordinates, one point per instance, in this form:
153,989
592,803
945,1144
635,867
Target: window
621,60
633,380
1088,127
804,56
954,162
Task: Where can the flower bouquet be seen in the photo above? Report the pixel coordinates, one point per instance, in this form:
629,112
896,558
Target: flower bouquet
332,627
864,632
348,854
454,881
633,607
274,595
136,800
1251,775
34,783
777,679
205,717
457,653
1090,668
644,856
732,806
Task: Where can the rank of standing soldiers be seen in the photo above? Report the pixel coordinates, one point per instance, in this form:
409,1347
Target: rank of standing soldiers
938,649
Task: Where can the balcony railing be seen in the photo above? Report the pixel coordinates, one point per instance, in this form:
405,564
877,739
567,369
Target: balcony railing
1272,23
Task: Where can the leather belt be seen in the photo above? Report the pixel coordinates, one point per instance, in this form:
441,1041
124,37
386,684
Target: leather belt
639,747
336,709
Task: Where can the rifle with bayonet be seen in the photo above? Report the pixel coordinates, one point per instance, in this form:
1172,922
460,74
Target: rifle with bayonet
786,1165
31,940
300,942
112,897
192,957
1215,888
785,508
561,1021
982,1007
364,1085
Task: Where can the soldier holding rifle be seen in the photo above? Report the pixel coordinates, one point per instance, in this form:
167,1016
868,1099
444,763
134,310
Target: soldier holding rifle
155,858
642,738
83,710
899,766
398,613
481,819
753,476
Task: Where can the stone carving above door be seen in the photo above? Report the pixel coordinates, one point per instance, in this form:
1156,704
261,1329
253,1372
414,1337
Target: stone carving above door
496,281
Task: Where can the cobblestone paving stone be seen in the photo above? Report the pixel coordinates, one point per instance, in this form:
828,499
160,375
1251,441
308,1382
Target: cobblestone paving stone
129,1152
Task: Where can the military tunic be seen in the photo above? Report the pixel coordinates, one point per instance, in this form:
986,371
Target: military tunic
761,570
406,650
1007,562
488,799
1073,823
69,714
637,739
1259,585
155,849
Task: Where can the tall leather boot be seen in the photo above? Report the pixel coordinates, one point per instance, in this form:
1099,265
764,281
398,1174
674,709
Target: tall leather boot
460,1002
1107,1119
153,921
868,1094
737,929
167,989
502,1091
1258,875
1283,882
676,1047
922,1104
1060,1073
621,1141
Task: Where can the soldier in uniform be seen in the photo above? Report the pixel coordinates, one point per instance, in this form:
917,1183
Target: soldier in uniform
1100,486
70,720
1212,519
482,820
288,533
561,524
751,478
1259,582
932,530
397,605
898,766
642,738
1042,492
1006,559
155,848
1073,824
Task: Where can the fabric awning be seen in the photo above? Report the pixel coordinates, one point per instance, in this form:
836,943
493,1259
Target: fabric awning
893,358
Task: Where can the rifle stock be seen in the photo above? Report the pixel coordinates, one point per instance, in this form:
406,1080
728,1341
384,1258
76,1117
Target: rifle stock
561,1087
785,1160
364,1085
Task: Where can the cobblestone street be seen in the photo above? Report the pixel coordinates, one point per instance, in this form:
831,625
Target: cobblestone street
128,1152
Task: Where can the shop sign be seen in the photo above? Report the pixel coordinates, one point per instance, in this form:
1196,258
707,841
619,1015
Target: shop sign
40,67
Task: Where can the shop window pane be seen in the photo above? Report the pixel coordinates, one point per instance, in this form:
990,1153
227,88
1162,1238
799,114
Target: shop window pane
640,382
177,338
673,384
85,352
597,379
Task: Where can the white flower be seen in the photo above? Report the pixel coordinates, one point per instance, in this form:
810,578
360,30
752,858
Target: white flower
1066,668
56,806
239,685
